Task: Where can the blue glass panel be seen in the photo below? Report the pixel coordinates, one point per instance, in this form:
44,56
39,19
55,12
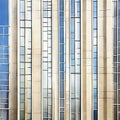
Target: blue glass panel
94,69
1,30
94,76
94,62
95,115
61,76
6,42
62,103
94,13
61,21
72,8
94,22
61,58
1,40
21,50
115,8
4,114
61,14
94,6
78,6
4,60
6,30
4,95
72,25
4,76
61,94
5,56
62,48
3,82
61,36
62,6
3,88
1,49
4,12
4,68
94,49
62,85
95,55
72,105
95,92
6,50
61,116
61,66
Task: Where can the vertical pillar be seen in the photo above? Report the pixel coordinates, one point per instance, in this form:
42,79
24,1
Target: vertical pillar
67,80
83,60
13,60
36,60
109,60
101,70
55,59
88,60
105,64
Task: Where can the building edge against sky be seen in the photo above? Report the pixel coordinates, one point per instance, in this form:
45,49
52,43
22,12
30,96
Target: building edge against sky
37,50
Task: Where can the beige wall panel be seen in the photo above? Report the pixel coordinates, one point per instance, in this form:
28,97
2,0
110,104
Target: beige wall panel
101,59
88,60
13,60
83,61
36,61
105,61
109,48
67,81
55,56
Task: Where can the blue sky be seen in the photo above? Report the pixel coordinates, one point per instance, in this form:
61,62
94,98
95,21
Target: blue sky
3,12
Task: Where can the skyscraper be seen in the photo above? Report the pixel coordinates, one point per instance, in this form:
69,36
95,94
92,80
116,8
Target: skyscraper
57,60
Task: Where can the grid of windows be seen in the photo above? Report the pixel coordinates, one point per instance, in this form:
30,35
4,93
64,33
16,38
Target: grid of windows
22,59
95,59
61,59
25,59
116,58
75,53
4,60
28,58
47,59
4,72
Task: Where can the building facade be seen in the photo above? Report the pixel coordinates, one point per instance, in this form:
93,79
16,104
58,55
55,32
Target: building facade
57,60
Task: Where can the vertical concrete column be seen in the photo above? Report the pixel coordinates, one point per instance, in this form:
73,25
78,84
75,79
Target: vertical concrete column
101,52
13,60
36,60
83,60
55,59
67,80
109,60
88,60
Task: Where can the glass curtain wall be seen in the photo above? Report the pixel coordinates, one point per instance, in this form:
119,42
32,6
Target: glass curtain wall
61,59
22,59
95,57
28,58
25,59
47,59
4,72
75,56
4,60
116,58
